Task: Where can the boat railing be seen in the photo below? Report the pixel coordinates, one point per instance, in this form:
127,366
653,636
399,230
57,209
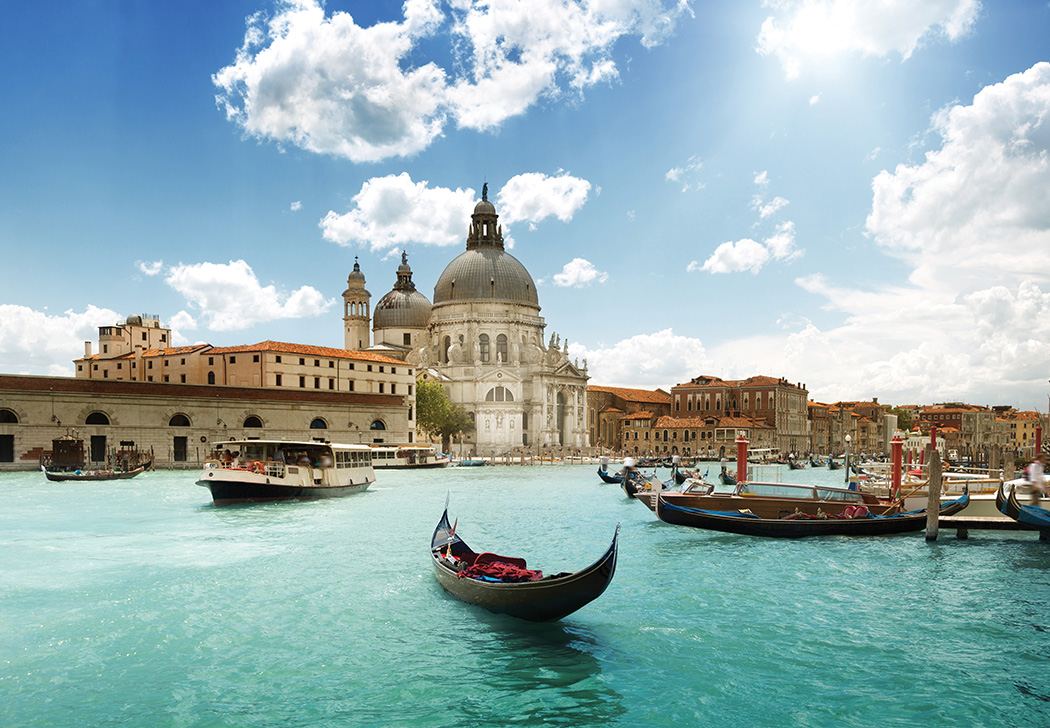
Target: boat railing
271,468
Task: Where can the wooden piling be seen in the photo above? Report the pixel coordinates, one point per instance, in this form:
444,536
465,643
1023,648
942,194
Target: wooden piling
933,498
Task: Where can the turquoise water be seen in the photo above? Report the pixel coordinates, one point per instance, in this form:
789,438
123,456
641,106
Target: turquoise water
138,603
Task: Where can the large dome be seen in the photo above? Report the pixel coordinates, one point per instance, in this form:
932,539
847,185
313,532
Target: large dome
404,307
489,274
485,271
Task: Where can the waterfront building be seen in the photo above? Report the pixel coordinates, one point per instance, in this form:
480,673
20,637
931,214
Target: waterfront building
179,422
607,408
775,401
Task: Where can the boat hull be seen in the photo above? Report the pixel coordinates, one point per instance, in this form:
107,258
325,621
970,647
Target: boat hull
227,492
71,477
800,528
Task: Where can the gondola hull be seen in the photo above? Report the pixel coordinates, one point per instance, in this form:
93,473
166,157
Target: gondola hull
744,524
92,475
614,479
1027,514
545,600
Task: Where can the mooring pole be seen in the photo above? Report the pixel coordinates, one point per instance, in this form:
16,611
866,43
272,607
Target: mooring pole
741,458
933,498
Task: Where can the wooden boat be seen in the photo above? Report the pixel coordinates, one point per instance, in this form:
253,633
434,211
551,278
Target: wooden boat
462,573
67,476
815,462
408,456
769,500
67,461
275,470
614,478
832,465
796,464
1021,512
854,523
727,478
471,463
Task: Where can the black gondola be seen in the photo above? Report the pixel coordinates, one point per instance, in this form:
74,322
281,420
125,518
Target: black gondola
1022,513
614,478
537,600
832,465
791,527
91,475
727,478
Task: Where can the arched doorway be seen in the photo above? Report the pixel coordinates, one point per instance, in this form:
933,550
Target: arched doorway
559,414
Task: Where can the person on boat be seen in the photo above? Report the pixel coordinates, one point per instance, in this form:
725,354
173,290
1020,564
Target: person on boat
1033,475
235,462
279,455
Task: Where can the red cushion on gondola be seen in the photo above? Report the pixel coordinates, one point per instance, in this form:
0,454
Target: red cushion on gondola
488,558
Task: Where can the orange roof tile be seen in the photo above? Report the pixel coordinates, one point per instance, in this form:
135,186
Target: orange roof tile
633,395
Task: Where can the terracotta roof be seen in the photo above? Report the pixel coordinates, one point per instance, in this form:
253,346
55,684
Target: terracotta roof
634,395
639,416
170,351
736,422
307,350
610,408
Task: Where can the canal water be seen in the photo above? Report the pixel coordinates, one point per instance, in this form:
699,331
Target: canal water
138,603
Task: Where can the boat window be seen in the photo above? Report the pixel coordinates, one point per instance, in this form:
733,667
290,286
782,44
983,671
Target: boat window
179,421
96,418
318,424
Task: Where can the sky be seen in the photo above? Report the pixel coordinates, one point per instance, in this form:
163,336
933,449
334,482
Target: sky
854,196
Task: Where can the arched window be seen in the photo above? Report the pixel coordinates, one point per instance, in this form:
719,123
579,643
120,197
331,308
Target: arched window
179,421
318,424
499,394
377,425
501,348
444,350
211,377
96,418
252,421
7,417
483,346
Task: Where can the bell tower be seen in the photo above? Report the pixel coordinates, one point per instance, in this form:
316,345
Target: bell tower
356,311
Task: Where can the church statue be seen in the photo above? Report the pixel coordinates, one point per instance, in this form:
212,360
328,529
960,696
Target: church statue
485,191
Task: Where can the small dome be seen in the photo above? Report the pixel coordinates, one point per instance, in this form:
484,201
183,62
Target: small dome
401,310
404,307
134,320
484,208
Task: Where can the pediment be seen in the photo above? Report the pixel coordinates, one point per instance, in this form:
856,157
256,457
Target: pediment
500,376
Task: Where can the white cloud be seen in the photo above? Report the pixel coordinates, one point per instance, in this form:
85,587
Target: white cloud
579,272
34,342
393,211
296,206
814,99
735,257
762,178
661,359
800,31
229,297
974,213
532,197
150,268
690,170
765,209
327,85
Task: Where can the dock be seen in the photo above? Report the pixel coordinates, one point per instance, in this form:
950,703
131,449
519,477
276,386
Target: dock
964,524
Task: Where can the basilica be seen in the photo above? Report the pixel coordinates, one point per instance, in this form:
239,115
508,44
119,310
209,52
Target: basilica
482,339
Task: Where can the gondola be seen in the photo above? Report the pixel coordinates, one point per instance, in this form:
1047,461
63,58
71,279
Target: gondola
727,478
1020,512
749,524
796,464
76,476
536,599
615,478
832,465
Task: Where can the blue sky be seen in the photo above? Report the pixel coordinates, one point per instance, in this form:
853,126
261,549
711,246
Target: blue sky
850,195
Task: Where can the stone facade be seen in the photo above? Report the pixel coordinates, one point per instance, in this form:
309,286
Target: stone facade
179,422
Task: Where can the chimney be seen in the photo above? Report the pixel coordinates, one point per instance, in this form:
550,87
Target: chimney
87,349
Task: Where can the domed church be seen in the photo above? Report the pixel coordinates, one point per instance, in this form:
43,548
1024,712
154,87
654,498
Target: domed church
482,339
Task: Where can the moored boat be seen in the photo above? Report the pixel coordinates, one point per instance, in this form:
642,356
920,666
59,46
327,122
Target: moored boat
70,476
408,456
859,521
503,585
607,477
768,500
1031,515
254,471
